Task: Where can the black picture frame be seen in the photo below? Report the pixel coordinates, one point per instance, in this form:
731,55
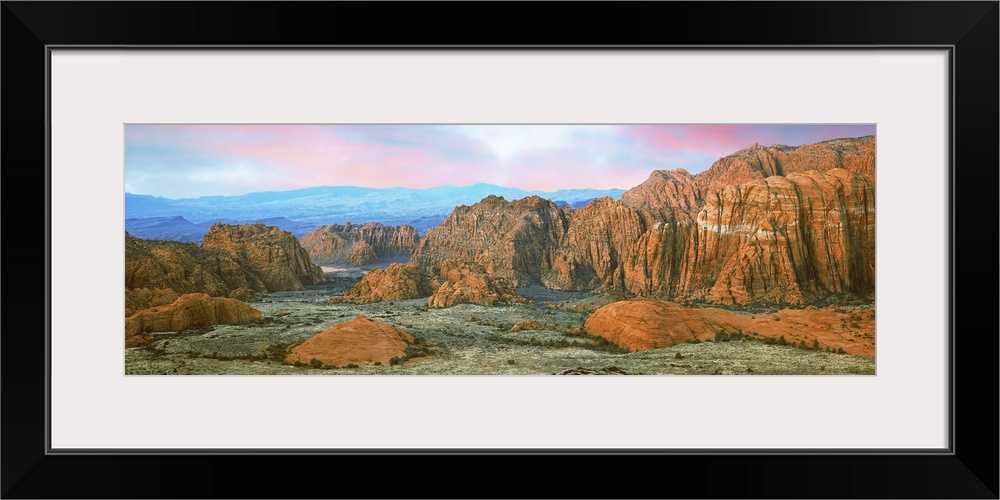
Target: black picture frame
970,29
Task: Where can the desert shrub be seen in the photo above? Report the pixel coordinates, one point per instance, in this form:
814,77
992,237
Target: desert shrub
782,341
678,356
721,336
315,363
377,363
511,362
299,364
351,365
394,360
816,344
840,350
693,341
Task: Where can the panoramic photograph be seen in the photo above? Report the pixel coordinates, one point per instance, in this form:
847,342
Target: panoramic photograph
576,249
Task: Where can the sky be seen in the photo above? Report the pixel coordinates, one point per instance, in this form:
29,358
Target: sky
187,161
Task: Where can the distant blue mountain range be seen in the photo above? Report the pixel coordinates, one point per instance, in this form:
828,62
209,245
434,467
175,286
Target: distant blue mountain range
302,210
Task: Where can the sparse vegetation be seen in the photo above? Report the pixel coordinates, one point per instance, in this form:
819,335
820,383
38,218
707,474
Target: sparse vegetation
472,339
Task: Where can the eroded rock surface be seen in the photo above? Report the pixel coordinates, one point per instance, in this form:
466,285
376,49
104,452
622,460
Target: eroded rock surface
465,283
359,245
273,255
396,282
188,310
774,225
642,325
359,341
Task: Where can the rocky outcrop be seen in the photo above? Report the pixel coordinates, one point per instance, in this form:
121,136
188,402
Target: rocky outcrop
600,249
273,255
857,156
786,240
244,295
144,298
188,310
676,190
359,341
183,268
361,253
642,325
465,283
359,245
761,226
397,282
510,240
254,258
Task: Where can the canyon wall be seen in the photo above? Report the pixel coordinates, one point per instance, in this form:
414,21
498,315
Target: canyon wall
359,245
764,225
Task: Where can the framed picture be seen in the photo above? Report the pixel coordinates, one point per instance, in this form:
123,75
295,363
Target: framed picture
926,89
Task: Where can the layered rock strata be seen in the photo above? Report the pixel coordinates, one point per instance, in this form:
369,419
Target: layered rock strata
469,283
771,225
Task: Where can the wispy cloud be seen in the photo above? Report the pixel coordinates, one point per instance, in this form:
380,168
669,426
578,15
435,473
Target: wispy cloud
194,160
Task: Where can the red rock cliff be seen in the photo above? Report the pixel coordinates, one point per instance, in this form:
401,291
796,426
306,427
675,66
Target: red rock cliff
764,225
348,243
273,255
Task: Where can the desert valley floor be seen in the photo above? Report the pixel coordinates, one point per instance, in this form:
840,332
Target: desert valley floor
465,339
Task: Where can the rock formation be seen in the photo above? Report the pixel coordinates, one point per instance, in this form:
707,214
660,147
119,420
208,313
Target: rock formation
642,325
254,258
359,245
273,255
469,283
510,240
764,225
237,262
361,253
144,298
359,341
397,282
183,268
188,310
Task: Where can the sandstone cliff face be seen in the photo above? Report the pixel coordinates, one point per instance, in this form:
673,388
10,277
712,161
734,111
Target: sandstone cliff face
510,240
642,325
760,226
273,255
857,156
359,245
676,190
786,239
602,240
183,267
470,283
188,310
397,282
359,341
361,253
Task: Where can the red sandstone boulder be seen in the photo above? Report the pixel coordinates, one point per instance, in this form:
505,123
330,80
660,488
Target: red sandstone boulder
359,341
642,325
